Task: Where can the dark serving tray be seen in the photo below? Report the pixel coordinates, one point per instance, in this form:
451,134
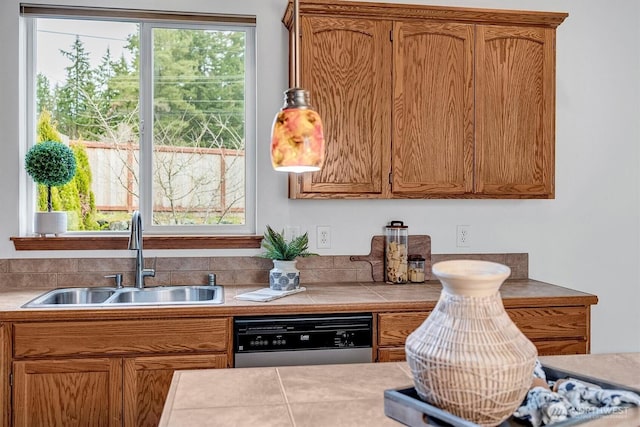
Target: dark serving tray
406,407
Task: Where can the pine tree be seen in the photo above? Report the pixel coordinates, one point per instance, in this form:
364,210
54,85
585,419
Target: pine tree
121,89
74,112
105,95
210,68
44,96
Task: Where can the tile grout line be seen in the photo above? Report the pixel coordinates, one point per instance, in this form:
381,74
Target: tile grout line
374,291
171,395
286,401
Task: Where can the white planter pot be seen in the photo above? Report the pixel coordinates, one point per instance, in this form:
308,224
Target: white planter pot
284,276
50,223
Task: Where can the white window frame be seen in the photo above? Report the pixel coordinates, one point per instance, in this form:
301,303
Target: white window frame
146,26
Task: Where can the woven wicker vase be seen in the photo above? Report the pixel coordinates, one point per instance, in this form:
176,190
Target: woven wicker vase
468,357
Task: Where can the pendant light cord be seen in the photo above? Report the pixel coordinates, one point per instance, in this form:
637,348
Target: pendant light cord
296,40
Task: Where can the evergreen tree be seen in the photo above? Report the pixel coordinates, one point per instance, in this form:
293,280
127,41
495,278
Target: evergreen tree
228,69
198,87
174,71
122,90
199,75
44,96
46,131
82,181
70,202
105,95
76,196
74,112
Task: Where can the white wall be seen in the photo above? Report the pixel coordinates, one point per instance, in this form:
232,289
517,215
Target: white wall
588,238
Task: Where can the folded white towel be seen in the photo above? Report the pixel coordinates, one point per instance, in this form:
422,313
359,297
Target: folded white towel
267,294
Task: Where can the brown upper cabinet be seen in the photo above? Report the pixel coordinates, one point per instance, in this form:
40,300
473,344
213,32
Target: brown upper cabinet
429,102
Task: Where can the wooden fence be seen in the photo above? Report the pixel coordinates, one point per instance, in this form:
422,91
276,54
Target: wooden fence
184,178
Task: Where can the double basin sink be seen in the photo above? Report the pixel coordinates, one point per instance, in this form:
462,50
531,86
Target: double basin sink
112,297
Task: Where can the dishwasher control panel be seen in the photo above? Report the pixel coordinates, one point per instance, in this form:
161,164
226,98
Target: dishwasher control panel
302,332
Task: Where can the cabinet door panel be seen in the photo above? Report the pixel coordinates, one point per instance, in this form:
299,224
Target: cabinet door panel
346,67
147,381
68,393
5,368
433,108
515,110
393,328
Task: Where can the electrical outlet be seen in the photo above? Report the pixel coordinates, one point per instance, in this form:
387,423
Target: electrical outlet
323,237
291,232
463,236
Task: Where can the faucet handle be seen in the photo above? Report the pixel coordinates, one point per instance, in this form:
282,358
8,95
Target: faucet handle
117,278
211,279
150,272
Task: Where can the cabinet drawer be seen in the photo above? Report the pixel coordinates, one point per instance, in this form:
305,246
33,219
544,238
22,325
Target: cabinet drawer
119,337
395,354
538,324
545,348
550,348
393,328
552,322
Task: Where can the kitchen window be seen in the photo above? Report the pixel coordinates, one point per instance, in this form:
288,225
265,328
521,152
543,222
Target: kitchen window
160,110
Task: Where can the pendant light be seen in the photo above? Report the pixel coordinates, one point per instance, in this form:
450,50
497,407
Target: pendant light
297,139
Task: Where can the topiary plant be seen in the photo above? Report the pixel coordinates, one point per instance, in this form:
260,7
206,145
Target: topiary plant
50,163
278,248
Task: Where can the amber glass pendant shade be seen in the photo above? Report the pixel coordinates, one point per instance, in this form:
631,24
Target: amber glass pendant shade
297,139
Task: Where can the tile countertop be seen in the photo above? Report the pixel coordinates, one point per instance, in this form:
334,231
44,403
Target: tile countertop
367,296
339,395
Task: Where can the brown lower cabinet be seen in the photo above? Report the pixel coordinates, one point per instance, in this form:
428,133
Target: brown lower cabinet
553,330
117,372
147,381
107,373
5,369
72,392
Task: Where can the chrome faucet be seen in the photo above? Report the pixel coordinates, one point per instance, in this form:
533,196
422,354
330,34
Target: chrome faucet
135,244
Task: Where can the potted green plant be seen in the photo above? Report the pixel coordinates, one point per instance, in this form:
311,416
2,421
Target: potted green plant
53,164
284,276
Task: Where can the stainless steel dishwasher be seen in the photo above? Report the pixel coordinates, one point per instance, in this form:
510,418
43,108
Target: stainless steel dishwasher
303,339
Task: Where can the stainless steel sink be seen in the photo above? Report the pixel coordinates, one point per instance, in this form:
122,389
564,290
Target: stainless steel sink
169,295
72,297
105,297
